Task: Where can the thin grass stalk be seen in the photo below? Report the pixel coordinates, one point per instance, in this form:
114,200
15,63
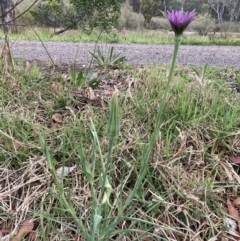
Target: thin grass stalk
95,136
148,149
93,192
95,47
62,198
96,146
110,148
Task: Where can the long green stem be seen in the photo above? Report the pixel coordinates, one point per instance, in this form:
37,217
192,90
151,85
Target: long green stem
62,198
147,153
110,148
177,42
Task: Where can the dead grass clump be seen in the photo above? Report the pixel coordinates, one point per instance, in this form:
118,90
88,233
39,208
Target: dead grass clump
194,185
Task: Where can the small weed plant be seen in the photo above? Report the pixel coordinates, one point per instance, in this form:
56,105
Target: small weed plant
110,59
84,78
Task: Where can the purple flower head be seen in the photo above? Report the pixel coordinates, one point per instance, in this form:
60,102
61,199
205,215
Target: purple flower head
180,20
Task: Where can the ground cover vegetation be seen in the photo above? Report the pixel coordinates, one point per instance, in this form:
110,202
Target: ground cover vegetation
81,159
50,130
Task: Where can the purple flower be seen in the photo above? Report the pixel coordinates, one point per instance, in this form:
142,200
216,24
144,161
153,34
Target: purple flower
180,20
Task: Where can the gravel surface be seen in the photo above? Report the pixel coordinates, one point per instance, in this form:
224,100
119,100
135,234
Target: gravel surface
69,53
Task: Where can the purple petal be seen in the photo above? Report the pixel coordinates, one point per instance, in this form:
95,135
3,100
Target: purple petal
179,20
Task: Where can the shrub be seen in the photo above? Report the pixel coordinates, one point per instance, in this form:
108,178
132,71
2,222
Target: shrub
159,23
203,24
26,18
130,19
51,15
149,9
222,27
102,14
227,29
234,27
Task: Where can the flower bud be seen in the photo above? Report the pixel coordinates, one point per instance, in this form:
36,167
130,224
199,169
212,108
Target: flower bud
179,20
113,122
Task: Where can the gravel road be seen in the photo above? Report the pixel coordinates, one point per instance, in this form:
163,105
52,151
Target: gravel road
69,53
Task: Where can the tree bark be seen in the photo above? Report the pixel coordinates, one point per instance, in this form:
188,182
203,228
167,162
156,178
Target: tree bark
8,15
233,7
182,4
164,6
136,5
219,8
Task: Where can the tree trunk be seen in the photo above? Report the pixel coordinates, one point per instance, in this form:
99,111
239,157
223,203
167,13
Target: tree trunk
164,6
136,5
8,15
182,5
233,7
218,7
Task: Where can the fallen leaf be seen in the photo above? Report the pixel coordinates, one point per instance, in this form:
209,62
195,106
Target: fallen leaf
91,94
64,171
56,126
32,236
236,202
57,117
16,144
107,93
231,223
232,210
215,145
5,231
105,141
26,228
27,67
55,87
234,159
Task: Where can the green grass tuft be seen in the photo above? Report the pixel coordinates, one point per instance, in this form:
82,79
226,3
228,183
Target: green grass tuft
115,36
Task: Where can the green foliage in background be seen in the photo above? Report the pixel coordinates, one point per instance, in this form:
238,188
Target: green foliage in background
87,13
98,13
54,13
149,9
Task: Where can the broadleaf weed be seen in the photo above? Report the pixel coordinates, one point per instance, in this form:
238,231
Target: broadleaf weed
84,78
